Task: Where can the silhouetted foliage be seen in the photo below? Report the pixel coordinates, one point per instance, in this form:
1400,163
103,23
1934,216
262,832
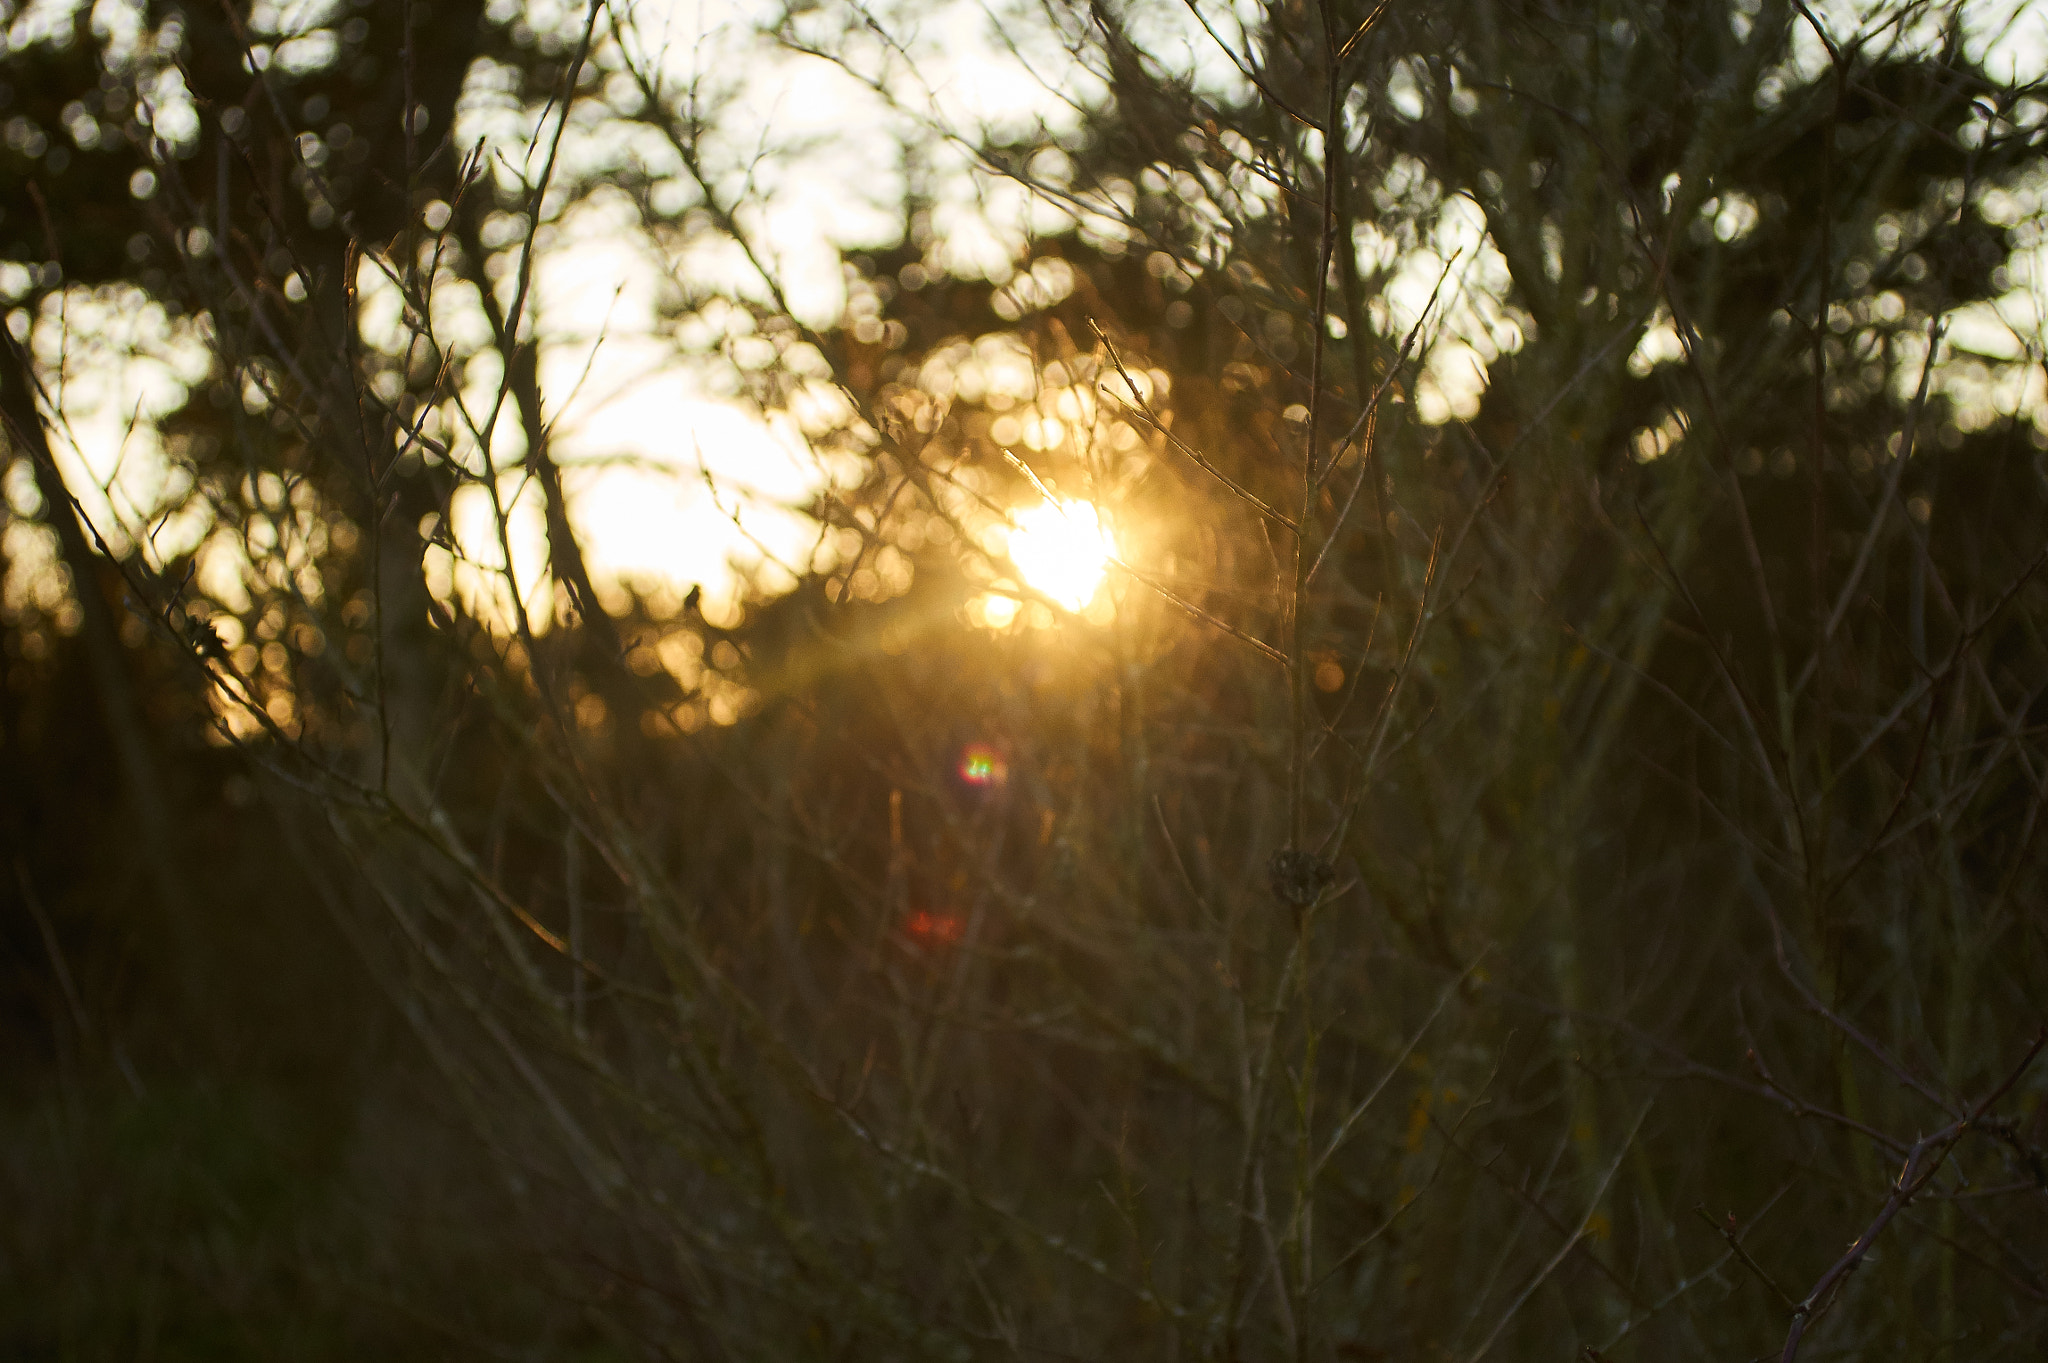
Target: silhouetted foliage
1532,849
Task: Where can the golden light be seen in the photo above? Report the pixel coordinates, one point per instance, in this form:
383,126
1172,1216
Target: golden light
1062,549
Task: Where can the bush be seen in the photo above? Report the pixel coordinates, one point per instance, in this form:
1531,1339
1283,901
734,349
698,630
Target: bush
1529,848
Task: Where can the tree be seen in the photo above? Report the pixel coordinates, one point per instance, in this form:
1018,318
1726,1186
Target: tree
1554,762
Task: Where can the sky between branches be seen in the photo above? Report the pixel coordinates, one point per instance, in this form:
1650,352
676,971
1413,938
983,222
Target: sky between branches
818,163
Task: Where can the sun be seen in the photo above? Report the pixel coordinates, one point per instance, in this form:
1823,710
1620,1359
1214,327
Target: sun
1062,549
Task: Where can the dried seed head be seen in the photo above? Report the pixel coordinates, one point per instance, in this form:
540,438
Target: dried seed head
1298,878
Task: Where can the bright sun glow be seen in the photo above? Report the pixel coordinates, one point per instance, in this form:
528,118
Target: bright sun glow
1062,549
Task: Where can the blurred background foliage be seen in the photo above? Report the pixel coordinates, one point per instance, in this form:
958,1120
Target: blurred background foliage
413,950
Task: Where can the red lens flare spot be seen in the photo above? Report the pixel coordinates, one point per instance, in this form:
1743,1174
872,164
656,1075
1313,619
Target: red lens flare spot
981,765
935,927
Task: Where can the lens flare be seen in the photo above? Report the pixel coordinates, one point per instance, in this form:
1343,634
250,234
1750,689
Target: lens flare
1063,549
981,765
935,927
